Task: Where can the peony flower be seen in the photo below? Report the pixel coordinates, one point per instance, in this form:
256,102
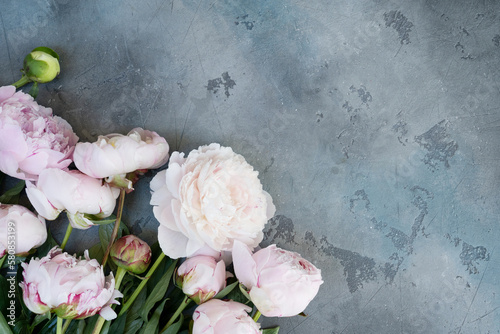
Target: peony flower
280,283
209,199
70,287
201,278
222,317
31,138
116,154
131,253
28,230
57,190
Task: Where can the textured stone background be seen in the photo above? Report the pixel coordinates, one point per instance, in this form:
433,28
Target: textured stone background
375,126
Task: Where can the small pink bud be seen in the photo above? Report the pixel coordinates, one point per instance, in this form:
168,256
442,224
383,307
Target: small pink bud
131,253
201,278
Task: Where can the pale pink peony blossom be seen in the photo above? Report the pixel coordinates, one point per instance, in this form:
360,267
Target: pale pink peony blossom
31,138
209,199
70,287
201,277
223,317
27,230
280,283
57,190
116,154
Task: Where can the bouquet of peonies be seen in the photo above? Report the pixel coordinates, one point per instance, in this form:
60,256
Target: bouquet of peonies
211,210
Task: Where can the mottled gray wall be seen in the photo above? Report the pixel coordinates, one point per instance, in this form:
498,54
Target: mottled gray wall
375,126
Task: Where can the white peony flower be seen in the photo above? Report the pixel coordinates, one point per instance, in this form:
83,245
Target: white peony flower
208,200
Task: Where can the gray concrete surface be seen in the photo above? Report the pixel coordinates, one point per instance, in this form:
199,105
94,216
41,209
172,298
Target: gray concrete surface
375,126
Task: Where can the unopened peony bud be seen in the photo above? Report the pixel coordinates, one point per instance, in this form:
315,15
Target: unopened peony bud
41,65
201,278
131,254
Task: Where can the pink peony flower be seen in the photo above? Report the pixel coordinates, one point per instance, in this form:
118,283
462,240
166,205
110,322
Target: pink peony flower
201,278
222,317
280,283
209,199
27,231
57,190
117,154
31,138
70,287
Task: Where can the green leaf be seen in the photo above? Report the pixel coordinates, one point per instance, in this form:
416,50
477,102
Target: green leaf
101,221
11,196
96,252
118,325
239,295
152,324
274,330
224,292
41,318
175,327
90,324
134,311
4,326
50,327
105,232
133,327
158,292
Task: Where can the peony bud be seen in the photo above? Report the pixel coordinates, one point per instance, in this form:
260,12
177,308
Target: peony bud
201,278
131,253
42,65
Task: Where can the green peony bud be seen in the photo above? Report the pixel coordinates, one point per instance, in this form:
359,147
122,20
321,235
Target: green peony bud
41,65
131,253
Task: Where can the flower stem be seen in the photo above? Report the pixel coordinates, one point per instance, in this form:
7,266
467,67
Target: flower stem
181,308
66,325
141,286
120,274
98,325
59,325
117,226
66,236
2,260
256,316
21,82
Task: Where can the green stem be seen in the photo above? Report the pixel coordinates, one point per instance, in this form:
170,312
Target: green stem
59,325
21,82
120,274
141,286
66,325
2,260
181,308
117,226
256,316
98,325
66,236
